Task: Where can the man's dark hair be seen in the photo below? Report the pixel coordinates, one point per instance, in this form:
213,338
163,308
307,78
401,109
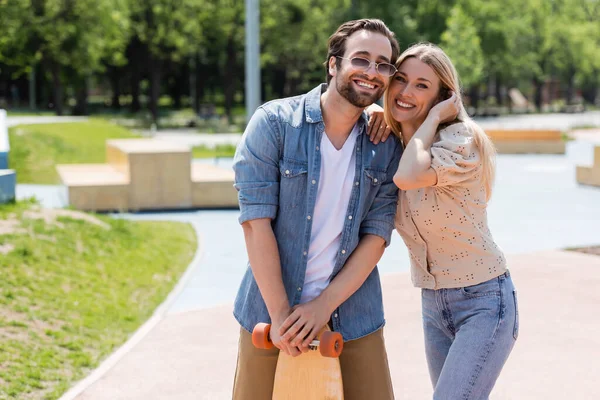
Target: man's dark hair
337,41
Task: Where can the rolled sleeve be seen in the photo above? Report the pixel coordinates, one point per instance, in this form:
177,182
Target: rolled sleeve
455,157
256,167
380,218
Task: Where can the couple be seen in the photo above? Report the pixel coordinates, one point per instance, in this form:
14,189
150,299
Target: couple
318,193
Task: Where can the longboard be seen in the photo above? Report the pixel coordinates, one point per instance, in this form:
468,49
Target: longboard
312,375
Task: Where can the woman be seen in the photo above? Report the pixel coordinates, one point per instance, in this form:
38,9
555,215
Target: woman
469,303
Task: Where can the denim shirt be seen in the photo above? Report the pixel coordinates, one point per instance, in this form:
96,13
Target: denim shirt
277,167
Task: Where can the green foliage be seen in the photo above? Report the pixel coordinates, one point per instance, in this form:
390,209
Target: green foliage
170,29
463,46
512,42
73,33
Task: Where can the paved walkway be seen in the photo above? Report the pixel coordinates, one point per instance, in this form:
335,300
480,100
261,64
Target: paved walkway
12,121
192,355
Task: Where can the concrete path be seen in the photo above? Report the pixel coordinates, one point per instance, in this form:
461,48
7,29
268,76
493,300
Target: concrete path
192,355
12,121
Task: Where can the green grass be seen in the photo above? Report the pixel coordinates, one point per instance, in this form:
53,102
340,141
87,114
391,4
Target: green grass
218,151
73,290
36,149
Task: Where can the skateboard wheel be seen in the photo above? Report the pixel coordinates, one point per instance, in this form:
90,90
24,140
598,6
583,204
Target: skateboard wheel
260,336
331,344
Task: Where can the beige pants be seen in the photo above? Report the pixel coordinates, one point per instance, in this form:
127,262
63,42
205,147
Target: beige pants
364,364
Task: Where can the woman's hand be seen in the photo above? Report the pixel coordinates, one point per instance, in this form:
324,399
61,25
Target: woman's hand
378,130
447,110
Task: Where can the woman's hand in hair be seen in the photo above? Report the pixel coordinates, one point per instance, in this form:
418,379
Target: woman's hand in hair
378,130
447,110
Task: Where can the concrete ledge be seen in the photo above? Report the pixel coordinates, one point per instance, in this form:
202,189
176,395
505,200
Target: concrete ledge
8,182
522,141
95,187
3,160
8,178
535,147
213,187
523,135
590,175
147,174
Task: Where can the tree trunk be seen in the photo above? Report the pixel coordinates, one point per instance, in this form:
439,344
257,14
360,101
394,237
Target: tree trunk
538,86
155,72
498,94
279,82
474,94
135,89
115,83
571,86
589,93
200,84
178,89
81,97
229,84
57,88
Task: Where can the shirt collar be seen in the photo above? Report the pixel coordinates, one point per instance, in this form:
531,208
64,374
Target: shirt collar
313,108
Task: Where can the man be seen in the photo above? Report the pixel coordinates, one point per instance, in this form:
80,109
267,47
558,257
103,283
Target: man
317,206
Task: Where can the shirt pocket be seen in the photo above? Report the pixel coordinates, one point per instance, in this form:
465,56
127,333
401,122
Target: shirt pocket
292,190
374,177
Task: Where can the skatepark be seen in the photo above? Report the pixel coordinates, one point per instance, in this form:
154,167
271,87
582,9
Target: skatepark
187,350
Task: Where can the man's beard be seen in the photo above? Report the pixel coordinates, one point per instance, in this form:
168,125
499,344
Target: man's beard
346,89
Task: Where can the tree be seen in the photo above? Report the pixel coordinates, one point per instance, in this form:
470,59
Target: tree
168,30
462,44
65,36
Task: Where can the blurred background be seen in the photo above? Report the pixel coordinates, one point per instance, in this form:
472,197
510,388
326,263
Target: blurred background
178,63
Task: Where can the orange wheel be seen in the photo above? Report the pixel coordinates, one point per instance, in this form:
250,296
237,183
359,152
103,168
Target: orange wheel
260,336
331,344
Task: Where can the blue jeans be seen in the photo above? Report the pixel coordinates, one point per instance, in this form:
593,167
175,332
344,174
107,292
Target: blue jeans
469,334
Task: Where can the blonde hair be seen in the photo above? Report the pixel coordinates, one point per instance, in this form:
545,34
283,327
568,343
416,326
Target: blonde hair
441,64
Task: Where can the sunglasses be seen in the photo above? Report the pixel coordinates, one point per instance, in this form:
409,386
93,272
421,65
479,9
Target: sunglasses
363,64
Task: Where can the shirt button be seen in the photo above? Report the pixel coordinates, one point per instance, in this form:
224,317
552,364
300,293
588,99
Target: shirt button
308,218
299,289
317,147
356,183
335,315
375,180
343,251
305,253
287,171
349,216
314,181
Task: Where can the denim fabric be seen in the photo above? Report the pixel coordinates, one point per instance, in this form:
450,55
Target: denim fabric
277,167
469,334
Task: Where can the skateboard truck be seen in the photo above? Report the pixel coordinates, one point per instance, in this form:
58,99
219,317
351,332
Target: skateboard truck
330,344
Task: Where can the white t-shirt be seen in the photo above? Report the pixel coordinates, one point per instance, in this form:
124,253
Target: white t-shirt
333,195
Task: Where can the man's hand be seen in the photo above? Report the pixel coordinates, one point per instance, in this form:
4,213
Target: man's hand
378,130
281,343
304,323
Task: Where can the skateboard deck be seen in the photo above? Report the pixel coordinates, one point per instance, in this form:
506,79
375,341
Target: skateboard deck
312,375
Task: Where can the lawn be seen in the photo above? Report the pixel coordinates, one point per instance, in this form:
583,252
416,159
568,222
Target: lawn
36,149
74,287
219,151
